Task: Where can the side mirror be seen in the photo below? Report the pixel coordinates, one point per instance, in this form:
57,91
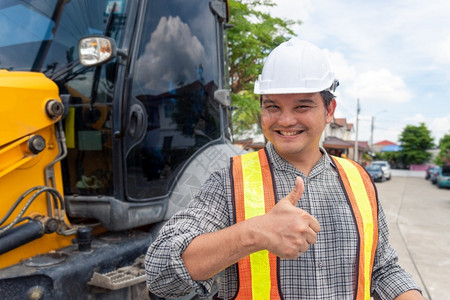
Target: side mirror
97,50
223,97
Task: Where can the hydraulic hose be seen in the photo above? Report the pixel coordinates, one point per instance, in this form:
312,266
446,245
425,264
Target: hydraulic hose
21,235
40,190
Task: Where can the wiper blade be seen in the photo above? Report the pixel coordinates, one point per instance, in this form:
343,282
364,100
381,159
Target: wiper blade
67,68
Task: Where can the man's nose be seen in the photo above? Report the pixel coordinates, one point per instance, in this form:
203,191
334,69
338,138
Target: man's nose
287,118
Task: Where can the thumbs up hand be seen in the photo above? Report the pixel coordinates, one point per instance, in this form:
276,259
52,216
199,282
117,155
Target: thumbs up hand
286,230
296,192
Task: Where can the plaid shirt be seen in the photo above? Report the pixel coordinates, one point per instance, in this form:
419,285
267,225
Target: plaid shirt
325,271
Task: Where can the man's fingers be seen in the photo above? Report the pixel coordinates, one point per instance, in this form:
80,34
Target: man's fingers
297,191
314,224
311,237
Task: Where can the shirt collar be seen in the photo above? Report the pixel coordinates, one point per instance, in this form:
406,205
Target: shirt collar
280,163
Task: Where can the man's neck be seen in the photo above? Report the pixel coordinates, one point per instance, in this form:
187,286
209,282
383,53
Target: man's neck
304,161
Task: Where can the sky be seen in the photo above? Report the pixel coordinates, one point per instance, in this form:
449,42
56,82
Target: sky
394,56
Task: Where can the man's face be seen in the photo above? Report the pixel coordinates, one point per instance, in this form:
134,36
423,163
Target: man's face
293,123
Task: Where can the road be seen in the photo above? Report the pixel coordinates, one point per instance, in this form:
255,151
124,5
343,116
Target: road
418,215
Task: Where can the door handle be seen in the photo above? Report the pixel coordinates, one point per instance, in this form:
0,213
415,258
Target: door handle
137,121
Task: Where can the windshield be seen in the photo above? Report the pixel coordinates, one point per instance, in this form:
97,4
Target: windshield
380,163
43,36
373,168
446,171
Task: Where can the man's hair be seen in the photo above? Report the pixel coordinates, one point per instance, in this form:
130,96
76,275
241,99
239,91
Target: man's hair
327,97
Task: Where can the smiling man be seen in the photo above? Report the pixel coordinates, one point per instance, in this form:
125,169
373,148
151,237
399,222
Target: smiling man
293,123
288,221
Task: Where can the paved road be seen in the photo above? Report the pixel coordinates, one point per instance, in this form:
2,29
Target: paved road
418,215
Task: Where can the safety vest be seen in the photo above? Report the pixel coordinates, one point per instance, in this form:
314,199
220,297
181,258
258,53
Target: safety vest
254,194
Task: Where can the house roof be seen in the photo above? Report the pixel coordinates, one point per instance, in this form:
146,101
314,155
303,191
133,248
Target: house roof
336,143
349,126
362,145
340,121
385,143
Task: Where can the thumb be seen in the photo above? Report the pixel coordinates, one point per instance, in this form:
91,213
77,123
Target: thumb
297,191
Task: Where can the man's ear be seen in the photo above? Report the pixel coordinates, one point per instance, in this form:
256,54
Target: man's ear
330,111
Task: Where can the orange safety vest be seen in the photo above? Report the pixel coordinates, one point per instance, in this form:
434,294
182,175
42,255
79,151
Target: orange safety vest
253,189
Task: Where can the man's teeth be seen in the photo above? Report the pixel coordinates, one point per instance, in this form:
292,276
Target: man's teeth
289,133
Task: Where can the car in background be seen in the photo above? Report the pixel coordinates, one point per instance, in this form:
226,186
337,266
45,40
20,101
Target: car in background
385,166
431,174
434,173
443,178
428,171
376,172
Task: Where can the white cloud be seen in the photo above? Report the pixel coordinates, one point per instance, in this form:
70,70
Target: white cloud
293,10
380,86
442,51
344,71
440,126
175,36
391,133
415,119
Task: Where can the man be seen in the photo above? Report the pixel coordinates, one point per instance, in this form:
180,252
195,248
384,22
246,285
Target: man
318,241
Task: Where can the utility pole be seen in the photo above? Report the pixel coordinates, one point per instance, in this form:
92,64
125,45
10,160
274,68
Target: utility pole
355,152
371,134
372,128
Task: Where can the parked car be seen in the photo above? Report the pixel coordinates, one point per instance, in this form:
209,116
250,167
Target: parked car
385,166
443,178
428,172
434,173
375,172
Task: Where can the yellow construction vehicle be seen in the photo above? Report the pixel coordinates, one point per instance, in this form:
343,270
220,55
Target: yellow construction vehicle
113,113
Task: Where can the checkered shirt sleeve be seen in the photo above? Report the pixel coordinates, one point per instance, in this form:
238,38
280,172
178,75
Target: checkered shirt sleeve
209,211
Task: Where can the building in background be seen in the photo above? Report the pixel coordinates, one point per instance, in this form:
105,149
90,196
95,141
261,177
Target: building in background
377,147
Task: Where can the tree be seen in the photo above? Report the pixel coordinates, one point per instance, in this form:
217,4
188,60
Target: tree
443,157
415,141
253,35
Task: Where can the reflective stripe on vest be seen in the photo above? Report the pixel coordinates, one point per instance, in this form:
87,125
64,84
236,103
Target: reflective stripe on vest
254,195
362,197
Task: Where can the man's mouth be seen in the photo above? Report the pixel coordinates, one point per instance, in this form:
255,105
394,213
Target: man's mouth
289,133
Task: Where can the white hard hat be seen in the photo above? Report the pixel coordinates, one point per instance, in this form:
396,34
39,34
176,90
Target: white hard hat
296,66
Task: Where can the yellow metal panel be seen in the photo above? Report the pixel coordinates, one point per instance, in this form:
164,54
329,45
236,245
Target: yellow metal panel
12,156
22,114
24,96
15,183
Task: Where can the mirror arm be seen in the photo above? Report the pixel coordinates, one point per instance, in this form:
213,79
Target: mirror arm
122,53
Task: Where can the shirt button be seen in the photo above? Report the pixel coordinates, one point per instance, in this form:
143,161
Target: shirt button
320,264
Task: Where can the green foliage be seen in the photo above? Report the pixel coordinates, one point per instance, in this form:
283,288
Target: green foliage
443,157
254,35
415,140
247,113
